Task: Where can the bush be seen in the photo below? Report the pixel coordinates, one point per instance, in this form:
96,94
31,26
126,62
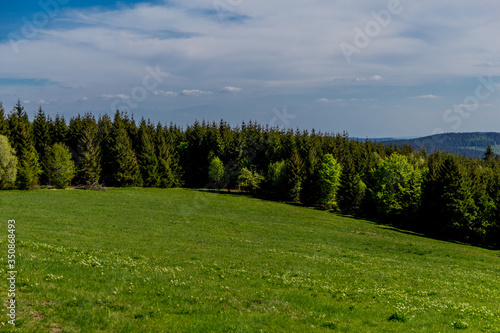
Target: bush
248,180
217,173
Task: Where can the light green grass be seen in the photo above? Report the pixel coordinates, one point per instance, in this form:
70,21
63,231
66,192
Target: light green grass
151,260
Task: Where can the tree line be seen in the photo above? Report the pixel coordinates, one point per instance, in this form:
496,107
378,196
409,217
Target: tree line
442,194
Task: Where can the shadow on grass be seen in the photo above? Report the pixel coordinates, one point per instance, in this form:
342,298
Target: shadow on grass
381,224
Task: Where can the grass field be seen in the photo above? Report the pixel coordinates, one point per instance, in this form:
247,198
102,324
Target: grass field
151,260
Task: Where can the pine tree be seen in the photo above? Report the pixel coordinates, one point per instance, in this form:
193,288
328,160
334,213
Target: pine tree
28,168
351,189
126,170
295,174
148,161
59,130
489,154
89,168
18,120
41,135
105,143
169,171
41,132
455,204
4,124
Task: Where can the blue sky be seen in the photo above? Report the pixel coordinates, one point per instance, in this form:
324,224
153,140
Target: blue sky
371,68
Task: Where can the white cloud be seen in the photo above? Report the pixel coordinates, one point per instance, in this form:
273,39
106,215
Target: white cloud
376,78
326,100
196,92
120,96
231,89
426,97
165,93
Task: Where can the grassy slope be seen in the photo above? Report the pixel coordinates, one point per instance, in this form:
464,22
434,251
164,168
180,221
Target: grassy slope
140,260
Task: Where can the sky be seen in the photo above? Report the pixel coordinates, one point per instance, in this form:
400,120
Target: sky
392,68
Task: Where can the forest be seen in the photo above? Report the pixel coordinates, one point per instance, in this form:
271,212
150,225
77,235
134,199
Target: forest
468,144
440,194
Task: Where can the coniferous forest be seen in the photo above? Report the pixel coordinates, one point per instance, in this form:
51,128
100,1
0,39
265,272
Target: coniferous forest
440,194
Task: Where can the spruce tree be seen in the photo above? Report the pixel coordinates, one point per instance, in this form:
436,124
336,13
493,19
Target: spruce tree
456,207
169,170
59,130
89,168
126,170
18,120
4,124
148,161
295,174
41,135
489,154
105,142
28,168
351,189
41,132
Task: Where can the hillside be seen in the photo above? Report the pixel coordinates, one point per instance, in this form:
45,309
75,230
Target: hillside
468,144
144,260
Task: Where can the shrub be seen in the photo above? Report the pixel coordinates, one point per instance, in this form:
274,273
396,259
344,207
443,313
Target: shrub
248,180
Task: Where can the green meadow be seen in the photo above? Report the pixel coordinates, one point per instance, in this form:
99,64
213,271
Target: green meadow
177,260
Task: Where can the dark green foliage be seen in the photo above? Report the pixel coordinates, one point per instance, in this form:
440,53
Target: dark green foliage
89,167
294,174
124,166
4,124
169,170
104,130
147,157
21,140
41,134
489,154
59,129
351,189
450,203
18,121
59,165
28,167
276,182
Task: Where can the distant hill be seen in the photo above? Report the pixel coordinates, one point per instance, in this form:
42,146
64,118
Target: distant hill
468,144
